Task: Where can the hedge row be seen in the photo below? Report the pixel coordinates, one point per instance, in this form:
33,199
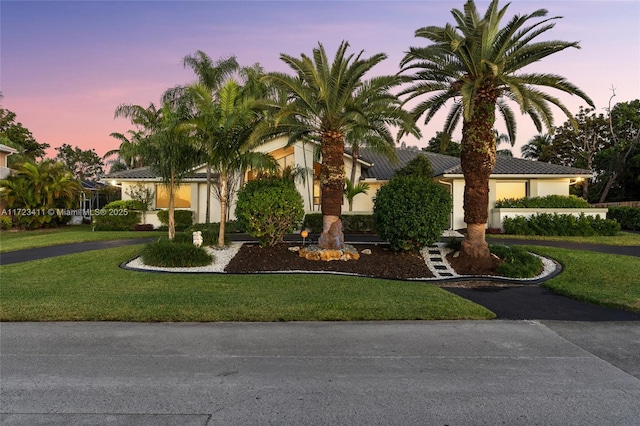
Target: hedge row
627,217
560,225
351,223
548,202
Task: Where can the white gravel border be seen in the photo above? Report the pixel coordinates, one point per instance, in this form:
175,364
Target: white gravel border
222,257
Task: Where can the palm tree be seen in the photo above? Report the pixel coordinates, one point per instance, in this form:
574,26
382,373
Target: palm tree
351,190
537,147
40,187
126,156
166,146
225,124
211,75
478,64
325,102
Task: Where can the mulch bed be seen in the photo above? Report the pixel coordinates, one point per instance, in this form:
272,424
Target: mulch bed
382,262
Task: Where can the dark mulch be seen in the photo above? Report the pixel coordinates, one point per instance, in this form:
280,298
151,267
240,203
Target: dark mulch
382,262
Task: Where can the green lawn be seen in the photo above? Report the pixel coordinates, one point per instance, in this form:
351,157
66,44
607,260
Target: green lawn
622,239
610,280
18,240
91,287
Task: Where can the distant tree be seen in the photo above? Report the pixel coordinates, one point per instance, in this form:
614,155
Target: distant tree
126,155
624,125
441,143
15,135
84,164
537,148
580,149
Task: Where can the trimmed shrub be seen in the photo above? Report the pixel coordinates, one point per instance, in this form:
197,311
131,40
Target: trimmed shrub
183,218
627,217
560,225
548,202
209,238
115,220
269,208
175,255
516,262
411,212
351,223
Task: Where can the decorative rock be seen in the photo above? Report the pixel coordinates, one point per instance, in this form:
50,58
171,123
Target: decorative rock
366,251
333,238
294,248
456,254
313,252
197,238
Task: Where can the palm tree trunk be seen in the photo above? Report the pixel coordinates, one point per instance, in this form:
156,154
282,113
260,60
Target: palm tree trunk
331,188
223,207
208,209
478,158
172,221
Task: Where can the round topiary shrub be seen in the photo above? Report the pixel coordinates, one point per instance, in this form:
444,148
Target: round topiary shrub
170,254
411,212
269,208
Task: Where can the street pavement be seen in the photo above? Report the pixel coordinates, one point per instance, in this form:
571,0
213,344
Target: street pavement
324,373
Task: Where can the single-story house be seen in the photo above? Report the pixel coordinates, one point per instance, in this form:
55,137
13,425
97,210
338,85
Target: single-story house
512,178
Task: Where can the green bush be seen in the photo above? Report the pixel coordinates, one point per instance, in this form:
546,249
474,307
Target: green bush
516,262
411,212
125,204
115,220
627,217
269,208
209,238
5,222
548,202
351,223
560,225
175,255
183,218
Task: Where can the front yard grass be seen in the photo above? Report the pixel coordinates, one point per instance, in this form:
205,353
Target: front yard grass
622,239
605,279
91,287
18,239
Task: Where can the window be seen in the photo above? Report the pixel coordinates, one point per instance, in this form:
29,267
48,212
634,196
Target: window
181,199
511,190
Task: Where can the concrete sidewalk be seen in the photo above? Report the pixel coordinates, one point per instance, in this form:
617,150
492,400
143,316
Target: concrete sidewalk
383,373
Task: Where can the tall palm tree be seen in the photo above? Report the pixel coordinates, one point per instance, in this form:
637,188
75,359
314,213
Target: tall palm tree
211,75
478,64
325,101
166,146
225,124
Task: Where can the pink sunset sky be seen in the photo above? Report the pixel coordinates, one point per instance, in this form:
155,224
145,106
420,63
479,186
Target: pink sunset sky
66,65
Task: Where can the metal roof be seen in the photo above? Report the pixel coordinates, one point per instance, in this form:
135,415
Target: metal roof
445,165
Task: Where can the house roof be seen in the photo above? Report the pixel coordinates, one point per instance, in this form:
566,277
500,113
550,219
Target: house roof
446,166
8,149
146,173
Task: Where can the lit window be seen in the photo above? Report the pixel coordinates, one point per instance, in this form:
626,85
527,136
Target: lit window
181,199
506,190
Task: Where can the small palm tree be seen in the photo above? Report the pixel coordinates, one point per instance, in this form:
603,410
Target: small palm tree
40,187
325,101
477,64
351,190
